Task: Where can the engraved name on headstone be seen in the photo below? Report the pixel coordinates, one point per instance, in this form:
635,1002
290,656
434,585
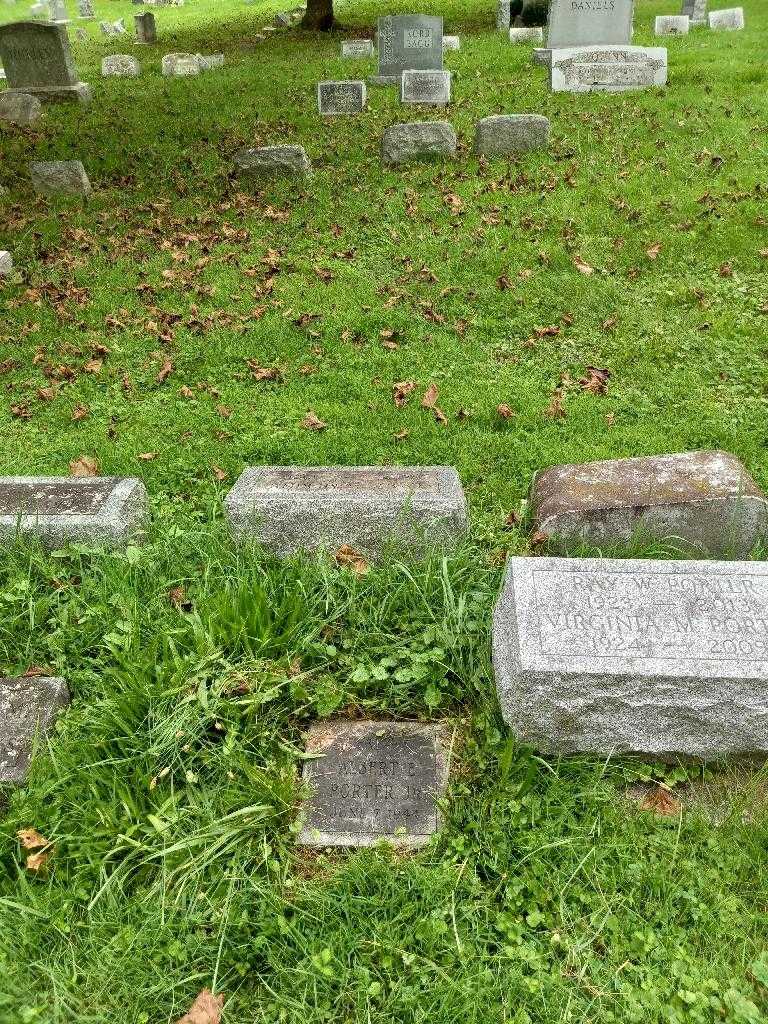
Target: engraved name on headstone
429,88
589,22
626,655
408,42
341,97
370,781
37,60
607,68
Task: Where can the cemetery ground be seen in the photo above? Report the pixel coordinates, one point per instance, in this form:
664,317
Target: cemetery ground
605,298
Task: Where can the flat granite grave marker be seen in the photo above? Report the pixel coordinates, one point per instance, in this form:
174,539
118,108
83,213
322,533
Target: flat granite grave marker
672,25
374,781
451,43
146,30
20,108
59,178
531,34
730,20
426,88
120,65
260,162
341,97
417,140
294,508
706,500
408,42
504,134
619,656
607,68
357,48
37,60
6,263
589,23
179,65
29,706
94,510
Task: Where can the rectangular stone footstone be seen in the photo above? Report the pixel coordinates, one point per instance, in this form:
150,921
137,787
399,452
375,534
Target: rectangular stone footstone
426,88
730,20
502,135
607,68
408,42
341,97
59,178
373,781
672,25
531,34
29,707
665,659
295,508
696,11
356,48
451,43
92,510
37,60
705,501
417,140
262,162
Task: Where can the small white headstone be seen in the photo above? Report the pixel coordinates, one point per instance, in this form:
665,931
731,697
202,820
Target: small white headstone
730,20
6,263
427,88
120,65
451,43
357,48
526,35
607,68
672,25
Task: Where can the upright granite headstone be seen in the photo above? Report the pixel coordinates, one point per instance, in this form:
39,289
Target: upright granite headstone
617,656
607,68
120,65
29,706
408,42
373,781
58,12
503,15
258,163
589,22
20,108
6,263
696,11
501,135
91,510
730,20
37,60
146,30
294,508
416,141
85,10
59,178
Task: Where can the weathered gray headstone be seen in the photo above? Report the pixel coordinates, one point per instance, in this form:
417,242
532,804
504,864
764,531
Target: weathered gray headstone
373,781
503,15
730,20
659,658
107,28
505,134
294,508
210,61
427,88
29,707
531,34
408,42
180,65
607,68
696,11
21,108
357,48
119,27
58,12
273,162
91,510
451,43
146,30
589,22
417,140
85,10
672,25
341,97
706,500
6,263
60,178
120,65
37,60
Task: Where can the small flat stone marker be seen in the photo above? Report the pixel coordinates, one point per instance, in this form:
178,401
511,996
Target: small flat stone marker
451,43
210,61
20,108
180,65
357,48
730,20
607,68
408,42
374,781
341,97
426,88
60,178
672,25
417,140
706,500
295,508
615,656
29,706
505,134
6,263
532,34
37,60
273,162
91,510
120,65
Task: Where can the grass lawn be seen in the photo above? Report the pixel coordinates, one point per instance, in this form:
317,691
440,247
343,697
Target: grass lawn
132,334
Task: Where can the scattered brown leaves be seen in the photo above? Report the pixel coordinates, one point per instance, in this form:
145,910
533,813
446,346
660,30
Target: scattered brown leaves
595,380
206,1009
30,839
661,800
84,465
505,411
401,392
348,558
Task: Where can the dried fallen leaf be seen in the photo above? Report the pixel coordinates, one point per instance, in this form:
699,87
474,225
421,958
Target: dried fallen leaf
582,267
165,371
147,456
653,250
219,473
186,392
31,839
349,558
539,538
84,465
313,422
38,861
401,392
505,411
595,380
661,800
206,1009
556,409
402,434
178,598
440,416
430,397
80,412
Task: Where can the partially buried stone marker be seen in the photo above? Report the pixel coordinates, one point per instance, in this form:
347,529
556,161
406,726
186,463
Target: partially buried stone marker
180,65
730,20
672,25
531,34
29,707
504,134
341,97
408,42
357,48
92,510
451,43
6,263
417,140
613,656
273,162
20,108
426,88
374,781
292,508
37,60
706,500
607,68
60,178
120,65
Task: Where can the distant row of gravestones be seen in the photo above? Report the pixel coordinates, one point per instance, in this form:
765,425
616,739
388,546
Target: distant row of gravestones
605,656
